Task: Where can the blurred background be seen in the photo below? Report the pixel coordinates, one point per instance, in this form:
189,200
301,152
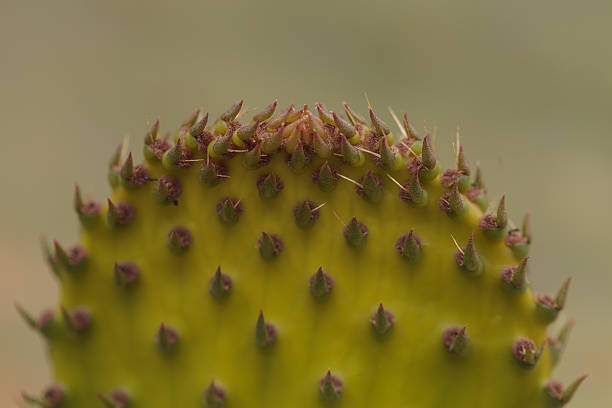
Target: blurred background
528,82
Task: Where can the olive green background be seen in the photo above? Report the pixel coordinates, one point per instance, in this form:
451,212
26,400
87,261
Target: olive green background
528,82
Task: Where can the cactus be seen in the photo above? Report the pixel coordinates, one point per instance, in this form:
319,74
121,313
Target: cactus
303,259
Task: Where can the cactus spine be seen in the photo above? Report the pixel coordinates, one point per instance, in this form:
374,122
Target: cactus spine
299,259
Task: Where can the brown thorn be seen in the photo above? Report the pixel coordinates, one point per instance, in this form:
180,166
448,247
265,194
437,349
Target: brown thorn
416,156
338,218
365,94
368,151
457,245
457,148
350,179
237,151
318,207
397,182
149,130
397,122
244,112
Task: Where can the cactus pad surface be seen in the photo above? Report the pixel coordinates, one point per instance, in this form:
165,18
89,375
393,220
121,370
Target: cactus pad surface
303,259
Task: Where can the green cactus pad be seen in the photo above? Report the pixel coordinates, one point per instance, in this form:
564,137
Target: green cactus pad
314,222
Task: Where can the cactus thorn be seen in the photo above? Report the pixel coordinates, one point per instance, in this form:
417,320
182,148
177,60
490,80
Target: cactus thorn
324,115
557,345
356,233
78,200
321,146
452,203
279,119
563,395
211,172
350,153
350,180
382,320
127,169
52,397
402,188
231,113
61,256
152,131
409,128
320,283
526,230
220,284
167,338
214,396
118,398
25,316
547,307
191,119
229,210
398,123
456,340
515,276
502,215
252,158
330,387
172,156
265,333
370,187
462,162
525,351
269,185
381,127
119,214
220,145
298,159
40,324
246,132
562,294
272,141
346,129
167,190
468,259
179,240
478,182
325,177
413,192
353,116
387,155
455,201
125,273
409,246
77,320
266,113
306,214
270,246
428,157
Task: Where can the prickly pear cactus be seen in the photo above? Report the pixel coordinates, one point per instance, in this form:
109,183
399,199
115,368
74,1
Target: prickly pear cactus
303,259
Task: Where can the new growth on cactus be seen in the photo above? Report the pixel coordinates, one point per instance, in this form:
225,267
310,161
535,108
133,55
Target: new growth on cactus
305,258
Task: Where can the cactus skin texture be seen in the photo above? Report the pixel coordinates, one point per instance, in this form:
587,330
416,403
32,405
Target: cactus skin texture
306,259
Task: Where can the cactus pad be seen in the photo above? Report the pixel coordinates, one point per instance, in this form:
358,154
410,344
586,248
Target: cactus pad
303,259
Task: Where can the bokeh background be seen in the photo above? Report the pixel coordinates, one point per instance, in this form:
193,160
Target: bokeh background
528,82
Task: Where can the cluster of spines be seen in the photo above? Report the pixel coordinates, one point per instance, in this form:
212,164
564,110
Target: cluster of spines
339,142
